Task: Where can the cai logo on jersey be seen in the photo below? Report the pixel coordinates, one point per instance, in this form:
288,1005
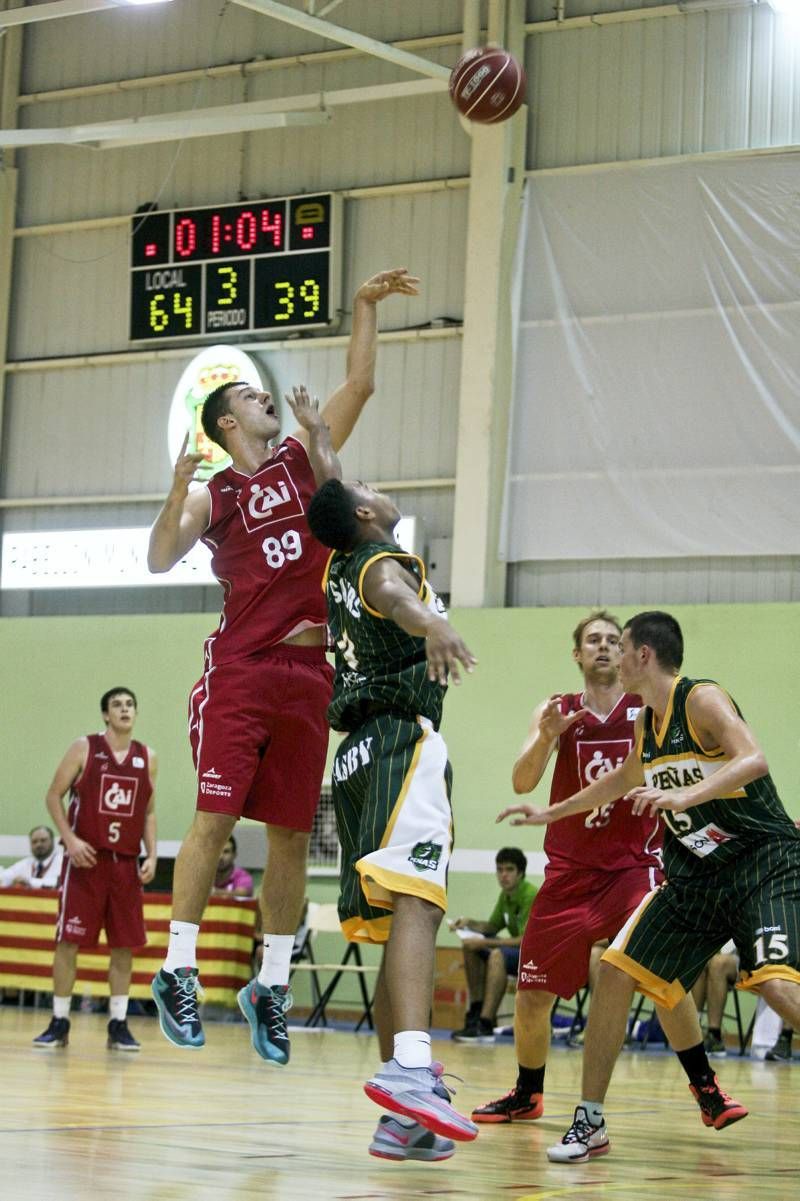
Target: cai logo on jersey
595,759
118,795
269,497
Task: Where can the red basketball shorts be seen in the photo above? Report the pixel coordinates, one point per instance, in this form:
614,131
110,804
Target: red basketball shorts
573,910
259,735
107,896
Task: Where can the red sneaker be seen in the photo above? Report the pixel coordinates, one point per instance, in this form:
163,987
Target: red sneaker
513,1107
717,1109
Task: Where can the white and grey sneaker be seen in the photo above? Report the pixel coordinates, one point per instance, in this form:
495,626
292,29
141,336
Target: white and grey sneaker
400,1140
582,1141
420,1094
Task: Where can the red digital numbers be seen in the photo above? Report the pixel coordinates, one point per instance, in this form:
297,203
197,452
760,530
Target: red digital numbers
185,238
246,231
272,223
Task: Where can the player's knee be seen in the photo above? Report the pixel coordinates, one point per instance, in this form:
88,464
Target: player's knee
283,844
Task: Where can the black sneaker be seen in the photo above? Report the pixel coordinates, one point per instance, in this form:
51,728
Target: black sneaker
120,1037
515,1106
175,995
782,1051
468,1033
56,1035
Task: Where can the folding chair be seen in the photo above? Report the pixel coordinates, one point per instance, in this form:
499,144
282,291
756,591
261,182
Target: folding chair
325,919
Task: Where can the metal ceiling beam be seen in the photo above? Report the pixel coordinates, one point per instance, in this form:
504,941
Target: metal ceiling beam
312,108
337,33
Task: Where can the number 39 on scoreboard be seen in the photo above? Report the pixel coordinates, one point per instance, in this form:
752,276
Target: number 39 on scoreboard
271,266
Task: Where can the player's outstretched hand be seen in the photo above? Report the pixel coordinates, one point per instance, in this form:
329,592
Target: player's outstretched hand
304,407
186,466
652,800
387,283
531,816
444,650
553,722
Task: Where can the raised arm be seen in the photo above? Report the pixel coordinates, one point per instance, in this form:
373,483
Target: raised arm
344,407
81,853
547,725
324,460
183,517
392,592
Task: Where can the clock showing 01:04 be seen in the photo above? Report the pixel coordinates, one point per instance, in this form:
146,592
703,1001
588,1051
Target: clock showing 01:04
208,272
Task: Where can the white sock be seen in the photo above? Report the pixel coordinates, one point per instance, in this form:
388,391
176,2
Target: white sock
61,1007
412,1048
118,1008
277,959
182,947
594,1112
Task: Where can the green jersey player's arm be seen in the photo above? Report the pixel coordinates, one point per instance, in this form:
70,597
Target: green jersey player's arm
715,725
605,789
391,591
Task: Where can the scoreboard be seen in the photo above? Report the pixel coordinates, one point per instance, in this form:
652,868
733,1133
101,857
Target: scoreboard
207,272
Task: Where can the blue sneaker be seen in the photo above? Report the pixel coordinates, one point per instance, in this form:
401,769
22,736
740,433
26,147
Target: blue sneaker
265,1009
120,1037
175,995
56,1035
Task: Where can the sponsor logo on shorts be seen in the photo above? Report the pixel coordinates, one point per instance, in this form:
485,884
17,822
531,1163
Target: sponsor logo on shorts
356,756
530,965
425,856
214,788
211,774
74,925
118,795
532,978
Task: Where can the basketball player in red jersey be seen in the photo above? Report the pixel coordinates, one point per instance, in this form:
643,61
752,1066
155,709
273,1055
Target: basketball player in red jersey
110,779
257,716
600,864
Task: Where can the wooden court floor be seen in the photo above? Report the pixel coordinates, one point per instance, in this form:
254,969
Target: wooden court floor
85,1124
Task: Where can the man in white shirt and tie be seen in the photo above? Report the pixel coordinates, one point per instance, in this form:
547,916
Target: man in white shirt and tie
40,869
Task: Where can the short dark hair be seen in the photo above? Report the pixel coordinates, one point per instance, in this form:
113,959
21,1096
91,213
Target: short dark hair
595,615
230,839
106,698
33,830
215,406
332,516
661,632
512,855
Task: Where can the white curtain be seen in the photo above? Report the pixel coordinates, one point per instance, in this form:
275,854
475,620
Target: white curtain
657,396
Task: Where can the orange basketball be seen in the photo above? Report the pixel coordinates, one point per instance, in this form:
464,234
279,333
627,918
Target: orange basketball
487,85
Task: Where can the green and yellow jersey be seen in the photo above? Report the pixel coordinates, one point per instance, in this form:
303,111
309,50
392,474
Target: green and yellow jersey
703,838
379,668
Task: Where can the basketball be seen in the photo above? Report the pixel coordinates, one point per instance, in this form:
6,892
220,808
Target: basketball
487,85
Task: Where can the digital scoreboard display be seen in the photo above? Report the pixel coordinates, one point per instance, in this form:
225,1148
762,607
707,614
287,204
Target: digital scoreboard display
236,268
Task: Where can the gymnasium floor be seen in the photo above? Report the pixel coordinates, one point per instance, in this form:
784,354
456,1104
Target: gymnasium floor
167,1125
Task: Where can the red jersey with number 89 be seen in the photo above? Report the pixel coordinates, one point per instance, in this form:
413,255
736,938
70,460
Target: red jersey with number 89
108,801
608,838
263,554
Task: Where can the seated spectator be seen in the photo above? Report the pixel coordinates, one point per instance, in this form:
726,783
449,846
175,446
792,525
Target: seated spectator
711,990
231,880
489,960
40,869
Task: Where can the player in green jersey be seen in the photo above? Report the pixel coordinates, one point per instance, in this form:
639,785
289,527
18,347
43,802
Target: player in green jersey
732,861
395,650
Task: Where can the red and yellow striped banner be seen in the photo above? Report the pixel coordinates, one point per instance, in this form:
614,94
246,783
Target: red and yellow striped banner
27,939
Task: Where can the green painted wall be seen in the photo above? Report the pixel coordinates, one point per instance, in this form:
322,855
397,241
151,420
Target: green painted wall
55,670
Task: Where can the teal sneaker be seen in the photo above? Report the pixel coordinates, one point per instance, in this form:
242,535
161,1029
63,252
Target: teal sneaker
265,1008
175,995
